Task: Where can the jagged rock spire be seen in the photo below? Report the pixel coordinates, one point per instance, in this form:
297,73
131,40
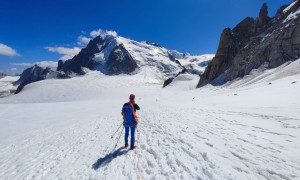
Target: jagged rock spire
263,17
253,43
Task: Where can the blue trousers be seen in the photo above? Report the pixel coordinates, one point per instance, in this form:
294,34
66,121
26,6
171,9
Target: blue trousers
132,138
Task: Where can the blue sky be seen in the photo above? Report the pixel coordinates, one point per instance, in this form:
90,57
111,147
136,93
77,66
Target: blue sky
34,30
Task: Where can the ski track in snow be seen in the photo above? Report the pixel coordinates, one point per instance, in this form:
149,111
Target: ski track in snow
168,151
193,140
209,131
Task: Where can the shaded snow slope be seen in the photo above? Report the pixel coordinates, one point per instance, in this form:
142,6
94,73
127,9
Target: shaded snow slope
61,129
263,75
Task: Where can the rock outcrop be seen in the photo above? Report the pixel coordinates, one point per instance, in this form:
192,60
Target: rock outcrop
120,61
2,75
170,80
37,73
254,42
263,17
153,44
84,58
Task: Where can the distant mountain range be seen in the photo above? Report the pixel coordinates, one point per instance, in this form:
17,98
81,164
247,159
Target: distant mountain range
113,55
253,43
2,75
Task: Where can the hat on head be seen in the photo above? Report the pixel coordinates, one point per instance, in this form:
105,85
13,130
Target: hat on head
132,96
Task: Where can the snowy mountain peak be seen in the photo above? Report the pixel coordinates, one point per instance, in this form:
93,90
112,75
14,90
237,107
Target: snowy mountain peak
114,55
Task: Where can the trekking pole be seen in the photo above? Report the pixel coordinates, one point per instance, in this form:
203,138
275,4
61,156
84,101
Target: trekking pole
116,130
118,138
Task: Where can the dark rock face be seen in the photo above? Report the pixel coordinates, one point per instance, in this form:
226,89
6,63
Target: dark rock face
153,44
31,75
172,58
170,80
60,65
253,43
120,61
37,73
263,17
84,58
2,75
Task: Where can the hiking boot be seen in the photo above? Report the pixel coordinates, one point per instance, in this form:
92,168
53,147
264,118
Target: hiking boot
126,145
132,147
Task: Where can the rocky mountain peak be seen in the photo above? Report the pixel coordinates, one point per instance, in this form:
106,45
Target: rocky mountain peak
271,41
120,61
263,17
84,58
2,75
36,73
114,55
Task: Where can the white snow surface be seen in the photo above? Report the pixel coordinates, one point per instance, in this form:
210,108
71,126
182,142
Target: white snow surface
6,85
246,129
292,15
289,6
196,63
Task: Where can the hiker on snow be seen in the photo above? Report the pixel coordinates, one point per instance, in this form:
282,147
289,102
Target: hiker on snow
130,120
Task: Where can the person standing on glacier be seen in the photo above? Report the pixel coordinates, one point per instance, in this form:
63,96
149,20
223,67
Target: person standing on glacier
130,120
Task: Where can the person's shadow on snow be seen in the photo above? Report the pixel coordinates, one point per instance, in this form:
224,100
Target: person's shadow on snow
108,158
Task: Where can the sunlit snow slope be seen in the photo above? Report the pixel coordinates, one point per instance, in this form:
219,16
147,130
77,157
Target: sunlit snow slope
61,129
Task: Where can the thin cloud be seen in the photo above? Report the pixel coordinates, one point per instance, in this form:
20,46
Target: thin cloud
67,53
50,64
112,33
13,71
95,33
83,40
44,64
7,51
21,64
101,32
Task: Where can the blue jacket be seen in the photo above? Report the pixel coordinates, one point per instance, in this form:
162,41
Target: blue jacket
128,115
